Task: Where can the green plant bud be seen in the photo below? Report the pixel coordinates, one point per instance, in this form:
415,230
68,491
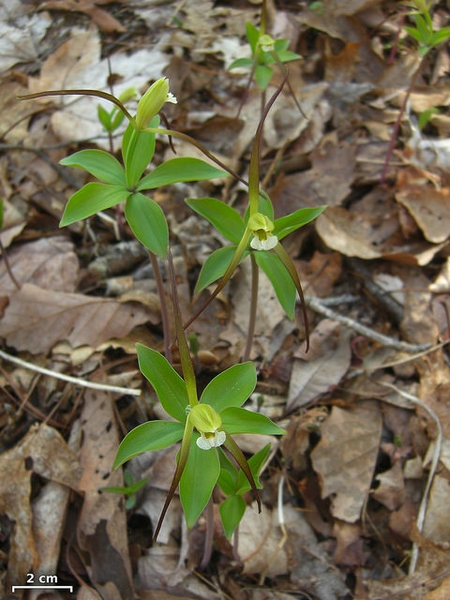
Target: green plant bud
152,101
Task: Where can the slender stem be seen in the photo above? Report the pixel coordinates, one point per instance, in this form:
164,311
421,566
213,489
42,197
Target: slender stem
209,537
163,302
390,149
253,308
8,266
185,356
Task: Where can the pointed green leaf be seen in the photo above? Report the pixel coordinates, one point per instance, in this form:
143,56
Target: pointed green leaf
252,35
153,435
240,420
231,512
240,62
286,225
168,385
104,117
232,387
263,75
280,279
98,163
228,477
198,480
179,169
148,223
224,218
92,198
255,463
214,267
138,148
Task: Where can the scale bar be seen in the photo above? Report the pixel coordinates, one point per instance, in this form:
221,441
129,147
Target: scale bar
42,587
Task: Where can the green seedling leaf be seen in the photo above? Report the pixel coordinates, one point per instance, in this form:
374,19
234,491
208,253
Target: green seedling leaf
252,36
286,225
128,490
263,75
280,279
224,218
105,118
231,512
227,482
92,198
197,482
148,223
214,267
241,62
98,163
179,169
255,463
286,55
117,119
138,148
232,387
240,420
168,385
153,435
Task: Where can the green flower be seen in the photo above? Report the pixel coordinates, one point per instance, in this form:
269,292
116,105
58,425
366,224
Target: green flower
262,228
207,422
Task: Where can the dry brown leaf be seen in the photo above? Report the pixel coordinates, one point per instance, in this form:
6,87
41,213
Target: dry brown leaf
101,17
102,523
42,451
391,489
37,318
49,263
345,457
430,208
325,364
259,538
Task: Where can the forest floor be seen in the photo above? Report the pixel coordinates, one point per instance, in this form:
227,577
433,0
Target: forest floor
356,494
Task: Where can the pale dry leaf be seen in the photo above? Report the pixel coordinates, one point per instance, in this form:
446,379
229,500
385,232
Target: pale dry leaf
437,520
259,539
346,455
311,568
49,263
325,364
430,209
391,489
45,451
20,33
77,64
37,318
102,523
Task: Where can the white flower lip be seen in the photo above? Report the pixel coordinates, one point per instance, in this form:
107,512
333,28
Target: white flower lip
268,244
211,440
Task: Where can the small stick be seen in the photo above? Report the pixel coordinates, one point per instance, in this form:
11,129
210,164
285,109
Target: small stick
75,380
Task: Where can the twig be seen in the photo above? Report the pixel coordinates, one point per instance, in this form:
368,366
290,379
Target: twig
437,452
75,380
318,307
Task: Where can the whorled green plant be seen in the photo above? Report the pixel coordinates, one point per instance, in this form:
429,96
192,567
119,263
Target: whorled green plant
205,425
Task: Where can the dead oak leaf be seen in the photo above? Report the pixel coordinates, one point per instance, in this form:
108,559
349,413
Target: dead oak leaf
345,457
37,318
105,21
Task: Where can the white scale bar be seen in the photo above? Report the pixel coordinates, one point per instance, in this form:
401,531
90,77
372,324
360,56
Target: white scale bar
42,587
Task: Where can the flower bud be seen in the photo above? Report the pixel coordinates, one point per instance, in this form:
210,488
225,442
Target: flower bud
152,101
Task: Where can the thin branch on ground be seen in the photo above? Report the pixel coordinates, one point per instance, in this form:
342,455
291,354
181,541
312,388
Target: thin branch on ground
373,335
75,380
436,455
